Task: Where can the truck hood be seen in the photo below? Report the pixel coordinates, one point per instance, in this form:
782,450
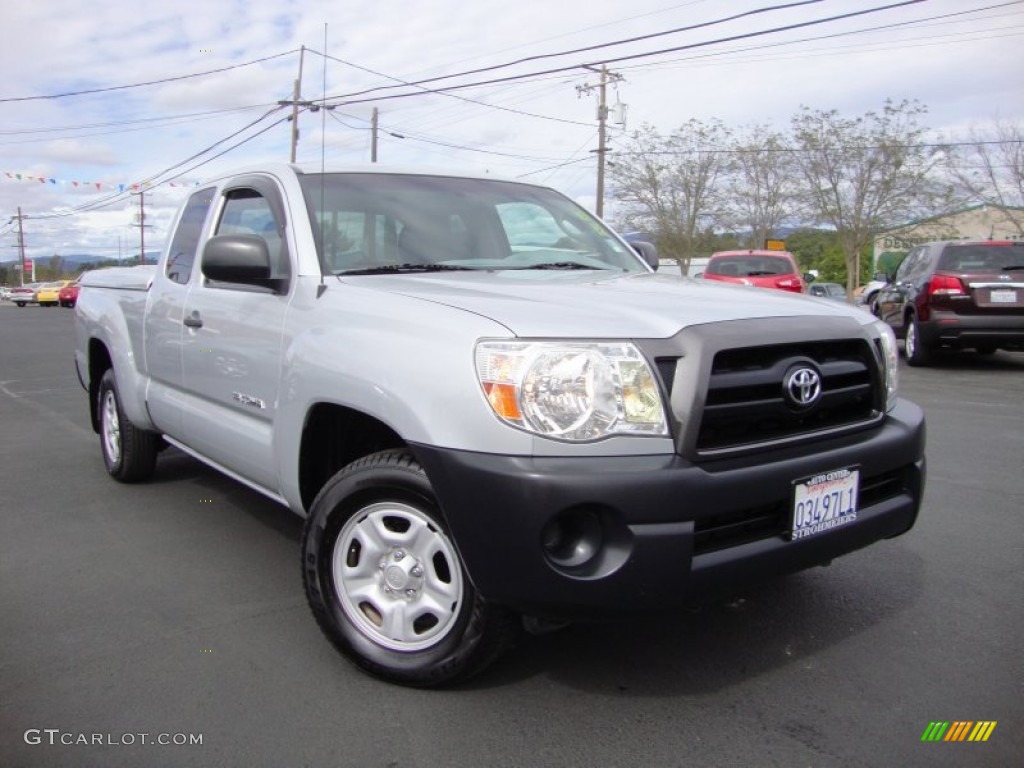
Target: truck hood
601,305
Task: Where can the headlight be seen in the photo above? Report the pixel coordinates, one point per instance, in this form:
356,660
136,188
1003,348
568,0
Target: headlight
571,391
891,355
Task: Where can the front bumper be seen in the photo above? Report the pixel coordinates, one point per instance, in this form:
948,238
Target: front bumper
672,532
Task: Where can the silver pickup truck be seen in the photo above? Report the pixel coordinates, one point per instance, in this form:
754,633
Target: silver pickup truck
489,407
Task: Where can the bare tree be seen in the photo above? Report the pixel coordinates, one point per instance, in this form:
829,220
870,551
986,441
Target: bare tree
865,173
763,188
673,185
990,171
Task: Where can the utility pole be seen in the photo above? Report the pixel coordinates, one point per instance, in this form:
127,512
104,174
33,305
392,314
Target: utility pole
602,119
373,136
21,249
142,225
296,97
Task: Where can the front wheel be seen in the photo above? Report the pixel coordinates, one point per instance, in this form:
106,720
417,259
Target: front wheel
128,452
916,351
386,583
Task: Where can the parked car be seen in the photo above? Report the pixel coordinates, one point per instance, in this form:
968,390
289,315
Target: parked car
68,295
48,294
827,291
764,269
24,294
867,293
957,294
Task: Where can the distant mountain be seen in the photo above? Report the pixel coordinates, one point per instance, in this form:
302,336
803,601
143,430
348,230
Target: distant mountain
74,260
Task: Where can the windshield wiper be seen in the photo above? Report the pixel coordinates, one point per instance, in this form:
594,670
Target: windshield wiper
559,265
387,269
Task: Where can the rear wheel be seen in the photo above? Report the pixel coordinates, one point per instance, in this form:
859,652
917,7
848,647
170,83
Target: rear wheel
386,583
916,351
128,452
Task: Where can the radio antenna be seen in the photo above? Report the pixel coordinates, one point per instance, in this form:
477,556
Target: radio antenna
323,142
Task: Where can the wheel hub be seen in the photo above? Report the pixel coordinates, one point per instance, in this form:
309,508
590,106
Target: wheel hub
402,574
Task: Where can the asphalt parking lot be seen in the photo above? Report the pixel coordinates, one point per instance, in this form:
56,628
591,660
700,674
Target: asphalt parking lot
175,609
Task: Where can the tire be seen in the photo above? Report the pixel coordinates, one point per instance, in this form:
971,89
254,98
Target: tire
917,353
128,452
20,303
385,581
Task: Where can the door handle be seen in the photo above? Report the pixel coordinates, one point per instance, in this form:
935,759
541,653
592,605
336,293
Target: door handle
193,320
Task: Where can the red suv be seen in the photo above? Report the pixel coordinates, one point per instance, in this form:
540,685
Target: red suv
956,294
764,269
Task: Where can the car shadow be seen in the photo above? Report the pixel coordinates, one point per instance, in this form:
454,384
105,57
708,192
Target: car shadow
782,623
175,467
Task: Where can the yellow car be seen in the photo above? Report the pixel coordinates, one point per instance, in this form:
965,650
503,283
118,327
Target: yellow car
48,294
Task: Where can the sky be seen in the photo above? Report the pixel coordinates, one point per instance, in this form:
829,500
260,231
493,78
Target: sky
962,59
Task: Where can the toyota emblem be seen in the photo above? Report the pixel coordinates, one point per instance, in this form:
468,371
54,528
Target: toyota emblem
802,386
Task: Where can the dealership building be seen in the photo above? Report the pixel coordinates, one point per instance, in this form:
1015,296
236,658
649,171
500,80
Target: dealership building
979,222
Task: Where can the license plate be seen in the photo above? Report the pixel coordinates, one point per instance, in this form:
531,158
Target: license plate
824,502
1003,297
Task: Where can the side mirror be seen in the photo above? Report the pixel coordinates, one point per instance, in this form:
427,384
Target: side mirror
242,259
647,252
882,277
808,277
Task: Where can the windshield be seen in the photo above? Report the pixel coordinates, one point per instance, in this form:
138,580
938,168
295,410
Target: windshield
388,223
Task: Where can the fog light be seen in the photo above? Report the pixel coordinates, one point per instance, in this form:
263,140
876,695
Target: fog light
573,538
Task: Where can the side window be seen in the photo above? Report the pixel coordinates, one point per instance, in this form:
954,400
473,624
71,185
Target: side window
247,212
182,253
909,265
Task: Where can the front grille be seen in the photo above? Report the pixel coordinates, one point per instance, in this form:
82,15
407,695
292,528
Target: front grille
746,404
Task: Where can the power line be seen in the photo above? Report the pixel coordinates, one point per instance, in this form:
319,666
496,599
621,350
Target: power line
449,95
882,27
795,150
586,49
345,98
134,121
148,82
152,180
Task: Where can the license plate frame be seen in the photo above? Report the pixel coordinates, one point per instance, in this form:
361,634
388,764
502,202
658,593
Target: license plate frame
824,501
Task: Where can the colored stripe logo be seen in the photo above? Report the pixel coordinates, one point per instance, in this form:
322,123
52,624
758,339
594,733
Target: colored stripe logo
958,730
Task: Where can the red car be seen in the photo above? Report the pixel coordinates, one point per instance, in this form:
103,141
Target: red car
763,269
68,295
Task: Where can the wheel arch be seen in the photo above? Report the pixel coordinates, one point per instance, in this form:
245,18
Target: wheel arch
333,436
99,361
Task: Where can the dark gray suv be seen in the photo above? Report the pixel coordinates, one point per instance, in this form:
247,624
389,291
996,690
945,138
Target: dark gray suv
956,294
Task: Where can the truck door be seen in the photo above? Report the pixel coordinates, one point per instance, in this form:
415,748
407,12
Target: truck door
165,312
231,345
